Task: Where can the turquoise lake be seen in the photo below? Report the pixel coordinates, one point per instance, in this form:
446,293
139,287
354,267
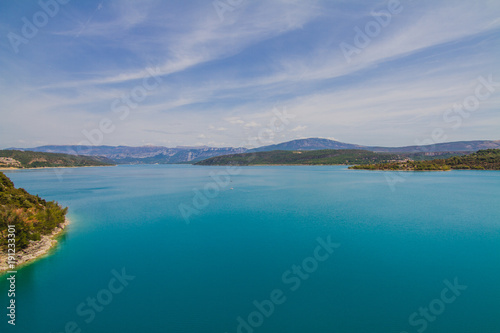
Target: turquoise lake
272,249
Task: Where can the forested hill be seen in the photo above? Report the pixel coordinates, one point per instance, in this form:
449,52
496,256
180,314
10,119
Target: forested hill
315,157
30,159
32,215
488,159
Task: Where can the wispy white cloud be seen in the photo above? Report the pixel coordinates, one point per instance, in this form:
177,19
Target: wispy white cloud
205,39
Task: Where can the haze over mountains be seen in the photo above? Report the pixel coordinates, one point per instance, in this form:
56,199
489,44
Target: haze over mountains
317,144
158,154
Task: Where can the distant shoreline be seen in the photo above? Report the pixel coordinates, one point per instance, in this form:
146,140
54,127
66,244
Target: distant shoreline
34,251
57,167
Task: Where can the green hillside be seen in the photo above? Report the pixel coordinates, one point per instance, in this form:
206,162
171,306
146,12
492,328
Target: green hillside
30,159
488,159
32,215
315,157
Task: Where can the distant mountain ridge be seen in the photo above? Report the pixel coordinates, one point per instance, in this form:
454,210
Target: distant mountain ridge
140,155
165,155
308,144
318,144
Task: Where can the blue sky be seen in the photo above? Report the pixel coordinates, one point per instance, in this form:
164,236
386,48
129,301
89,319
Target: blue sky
222,69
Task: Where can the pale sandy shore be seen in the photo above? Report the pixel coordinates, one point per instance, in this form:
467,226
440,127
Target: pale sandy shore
35,250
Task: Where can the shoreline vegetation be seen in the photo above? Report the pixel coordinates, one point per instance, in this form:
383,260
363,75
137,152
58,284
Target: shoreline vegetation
488,159
31,221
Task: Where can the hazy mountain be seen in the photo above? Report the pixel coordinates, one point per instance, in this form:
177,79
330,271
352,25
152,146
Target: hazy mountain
309,144
140,155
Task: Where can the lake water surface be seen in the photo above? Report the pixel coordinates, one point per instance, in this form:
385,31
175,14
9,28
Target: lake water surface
272,249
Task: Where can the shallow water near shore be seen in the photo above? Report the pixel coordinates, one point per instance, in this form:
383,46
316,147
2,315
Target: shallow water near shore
399,248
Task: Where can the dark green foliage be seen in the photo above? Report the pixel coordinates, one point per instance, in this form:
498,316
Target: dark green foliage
488,159
31,215
314,157
30,159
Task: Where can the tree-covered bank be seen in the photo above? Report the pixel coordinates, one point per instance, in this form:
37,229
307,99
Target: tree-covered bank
488,159
32,216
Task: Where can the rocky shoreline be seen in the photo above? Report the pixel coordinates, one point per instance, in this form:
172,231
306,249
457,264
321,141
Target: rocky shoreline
35,250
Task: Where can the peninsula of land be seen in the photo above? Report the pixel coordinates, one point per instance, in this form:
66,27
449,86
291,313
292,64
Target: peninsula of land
488,159
29,222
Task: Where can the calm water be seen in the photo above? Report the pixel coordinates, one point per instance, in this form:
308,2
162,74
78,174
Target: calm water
397,247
